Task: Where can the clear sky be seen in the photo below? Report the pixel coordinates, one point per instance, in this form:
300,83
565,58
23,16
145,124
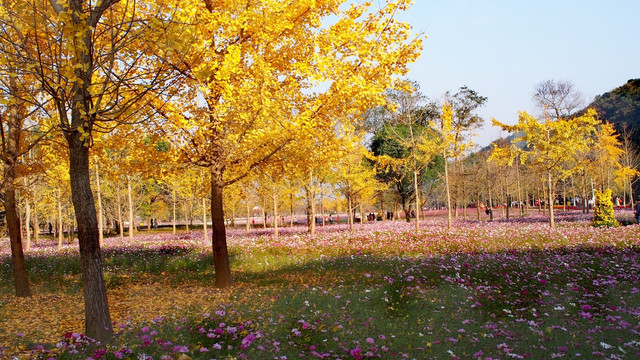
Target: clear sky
502,49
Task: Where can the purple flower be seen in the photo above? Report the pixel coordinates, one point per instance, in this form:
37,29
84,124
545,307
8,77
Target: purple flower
247,341
356,353
180,349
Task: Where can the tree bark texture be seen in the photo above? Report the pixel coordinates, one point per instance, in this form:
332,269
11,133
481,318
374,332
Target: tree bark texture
132,224
552,222
204,220
97,318
27,221
20,278
120,222
248,224
59,220
100,226
15,121
417,191
275,212
174,212
219,235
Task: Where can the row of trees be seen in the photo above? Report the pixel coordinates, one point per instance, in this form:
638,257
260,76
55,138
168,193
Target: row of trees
407,153
563,156
137,189
159,98
238,87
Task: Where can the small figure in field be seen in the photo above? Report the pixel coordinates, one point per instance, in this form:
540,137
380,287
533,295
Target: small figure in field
637,210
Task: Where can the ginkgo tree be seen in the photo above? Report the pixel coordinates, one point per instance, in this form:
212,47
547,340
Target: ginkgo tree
553,143
505,155
95,63
447,146
259,75
20,113
354,175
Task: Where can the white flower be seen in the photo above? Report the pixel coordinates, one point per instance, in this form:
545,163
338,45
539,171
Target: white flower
605,345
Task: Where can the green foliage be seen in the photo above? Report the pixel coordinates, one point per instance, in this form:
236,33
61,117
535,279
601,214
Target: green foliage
464,105
384,143
621,106
603,214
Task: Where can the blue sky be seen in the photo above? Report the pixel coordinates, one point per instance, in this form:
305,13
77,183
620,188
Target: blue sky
502,49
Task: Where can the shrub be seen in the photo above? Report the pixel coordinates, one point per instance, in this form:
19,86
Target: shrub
603,212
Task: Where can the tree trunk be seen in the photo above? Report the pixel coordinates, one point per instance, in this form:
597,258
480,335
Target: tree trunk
204,220
446,181
36,227
121,227
552,223
415,186
219,235
100,226
508,203
350,209
97,318
564,196
14,122
132,224
291,208
275,212
311,209
490,205
72,231
463,202
405,209
540,197
20,278
630,192
27,221
186,216
174,211
519,190
322,204
584,194
191,216
264,213
59,220
248,224
233,215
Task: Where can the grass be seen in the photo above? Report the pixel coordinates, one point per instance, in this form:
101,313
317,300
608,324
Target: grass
482,290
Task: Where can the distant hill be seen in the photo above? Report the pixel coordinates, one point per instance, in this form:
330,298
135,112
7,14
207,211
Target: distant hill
621,106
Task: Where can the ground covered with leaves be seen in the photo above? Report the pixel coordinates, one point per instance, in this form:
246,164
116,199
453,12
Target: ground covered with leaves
486,290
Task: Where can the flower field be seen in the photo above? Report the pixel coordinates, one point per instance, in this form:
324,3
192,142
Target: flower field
483,290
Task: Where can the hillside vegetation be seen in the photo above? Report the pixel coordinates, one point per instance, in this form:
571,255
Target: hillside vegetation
621,106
